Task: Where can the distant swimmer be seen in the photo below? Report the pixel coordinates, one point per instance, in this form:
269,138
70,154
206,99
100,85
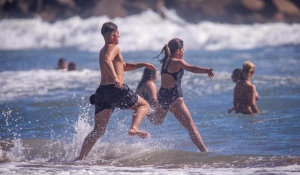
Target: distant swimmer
170,96
62,64
71,66
147,88
245,94
112,92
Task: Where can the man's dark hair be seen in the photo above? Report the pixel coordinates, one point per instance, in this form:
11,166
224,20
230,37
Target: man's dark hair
61,60
108,27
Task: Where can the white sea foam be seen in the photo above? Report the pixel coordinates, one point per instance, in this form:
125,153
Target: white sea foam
40,82
34,83
146,31
17,168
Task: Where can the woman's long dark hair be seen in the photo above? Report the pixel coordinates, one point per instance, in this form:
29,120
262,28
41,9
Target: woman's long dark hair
147,75
169,49
239,73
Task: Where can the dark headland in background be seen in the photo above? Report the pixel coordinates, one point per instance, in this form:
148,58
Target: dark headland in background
194,11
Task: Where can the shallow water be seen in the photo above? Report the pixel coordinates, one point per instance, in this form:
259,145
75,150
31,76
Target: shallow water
46,115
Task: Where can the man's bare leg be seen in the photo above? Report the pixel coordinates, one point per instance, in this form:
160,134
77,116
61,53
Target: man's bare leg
181,112
101,120
140,110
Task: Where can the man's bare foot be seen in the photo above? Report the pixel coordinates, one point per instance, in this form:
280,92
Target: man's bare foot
141,134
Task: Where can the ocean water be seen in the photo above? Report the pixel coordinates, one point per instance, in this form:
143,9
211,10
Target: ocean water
45,113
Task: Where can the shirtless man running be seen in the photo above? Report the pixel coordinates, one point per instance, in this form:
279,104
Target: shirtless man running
112,92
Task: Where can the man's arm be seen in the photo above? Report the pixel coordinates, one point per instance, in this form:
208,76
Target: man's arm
134,66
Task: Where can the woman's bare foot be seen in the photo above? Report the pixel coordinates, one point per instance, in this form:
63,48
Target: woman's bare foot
141,134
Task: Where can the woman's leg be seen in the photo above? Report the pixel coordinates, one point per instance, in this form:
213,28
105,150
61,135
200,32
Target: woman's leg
157,116
181,112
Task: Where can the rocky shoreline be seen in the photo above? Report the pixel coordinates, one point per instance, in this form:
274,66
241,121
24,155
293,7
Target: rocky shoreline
194,11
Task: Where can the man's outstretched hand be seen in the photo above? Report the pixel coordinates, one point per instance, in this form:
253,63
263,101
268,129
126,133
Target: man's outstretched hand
150,66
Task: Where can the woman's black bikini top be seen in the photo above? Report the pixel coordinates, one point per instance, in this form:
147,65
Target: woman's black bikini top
176,75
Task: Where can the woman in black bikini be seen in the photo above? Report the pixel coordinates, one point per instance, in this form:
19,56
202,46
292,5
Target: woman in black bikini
170,93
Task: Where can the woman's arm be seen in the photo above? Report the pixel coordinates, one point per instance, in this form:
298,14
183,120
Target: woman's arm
152,89
253,99
195,69
235,99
